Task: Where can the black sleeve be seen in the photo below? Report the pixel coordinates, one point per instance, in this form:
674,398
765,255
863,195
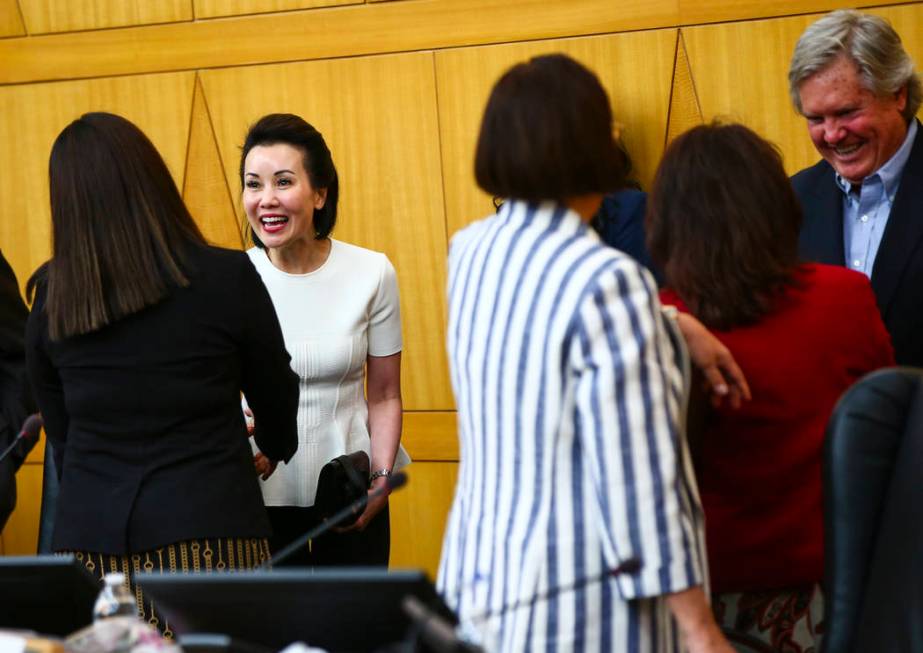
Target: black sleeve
270,385
46,383
15,395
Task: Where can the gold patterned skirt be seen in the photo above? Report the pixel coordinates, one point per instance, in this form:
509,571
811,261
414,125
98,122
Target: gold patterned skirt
211,555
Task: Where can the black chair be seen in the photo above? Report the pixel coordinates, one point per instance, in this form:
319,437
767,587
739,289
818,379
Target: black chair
873,516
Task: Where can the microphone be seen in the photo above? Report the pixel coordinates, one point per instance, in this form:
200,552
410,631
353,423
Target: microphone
28,433
628,566
434,631
393,482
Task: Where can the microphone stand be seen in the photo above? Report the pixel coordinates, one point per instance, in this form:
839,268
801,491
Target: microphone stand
395,481
432,630
440,636
629,566
30,430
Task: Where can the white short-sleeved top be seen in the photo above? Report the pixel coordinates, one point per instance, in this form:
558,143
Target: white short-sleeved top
332,319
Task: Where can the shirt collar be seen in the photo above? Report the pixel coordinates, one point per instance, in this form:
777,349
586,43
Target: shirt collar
890,172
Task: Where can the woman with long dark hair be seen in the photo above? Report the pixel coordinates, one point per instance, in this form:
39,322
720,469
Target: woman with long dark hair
723,222
140,341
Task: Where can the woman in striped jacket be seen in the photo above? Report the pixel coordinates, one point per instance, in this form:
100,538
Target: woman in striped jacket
576,523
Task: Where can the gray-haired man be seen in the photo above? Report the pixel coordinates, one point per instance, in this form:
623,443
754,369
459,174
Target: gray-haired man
855,84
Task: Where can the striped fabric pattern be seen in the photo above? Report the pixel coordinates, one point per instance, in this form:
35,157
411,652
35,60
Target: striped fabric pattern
571,458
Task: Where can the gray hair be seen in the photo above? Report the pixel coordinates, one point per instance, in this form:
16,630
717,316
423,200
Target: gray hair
869,42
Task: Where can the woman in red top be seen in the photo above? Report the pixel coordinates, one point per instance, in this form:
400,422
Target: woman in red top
723,222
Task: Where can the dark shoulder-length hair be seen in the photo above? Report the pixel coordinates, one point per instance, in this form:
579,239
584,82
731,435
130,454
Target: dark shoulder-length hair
723,221
120,228
547,134
293,130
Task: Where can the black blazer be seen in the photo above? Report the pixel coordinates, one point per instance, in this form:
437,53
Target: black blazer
145,415
897,275
15,400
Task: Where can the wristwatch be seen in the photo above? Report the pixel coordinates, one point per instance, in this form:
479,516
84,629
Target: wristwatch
381,472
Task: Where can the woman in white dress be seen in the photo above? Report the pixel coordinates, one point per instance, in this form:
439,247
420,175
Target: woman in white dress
340,316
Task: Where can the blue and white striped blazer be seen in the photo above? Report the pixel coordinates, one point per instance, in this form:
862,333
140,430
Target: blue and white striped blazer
572,458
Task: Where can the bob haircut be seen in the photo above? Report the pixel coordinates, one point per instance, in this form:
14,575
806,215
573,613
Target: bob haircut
289,129
870,43
723,223
119,226
547,134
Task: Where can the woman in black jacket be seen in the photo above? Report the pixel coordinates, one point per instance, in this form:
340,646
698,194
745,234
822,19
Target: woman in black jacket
140,341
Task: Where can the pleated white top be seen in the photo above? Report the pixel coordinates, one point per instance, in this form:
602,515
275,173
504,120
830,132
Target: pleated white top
332,319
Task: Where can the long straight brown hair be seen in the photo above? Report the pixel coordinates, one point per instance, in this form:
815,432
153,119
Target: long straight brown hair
119,226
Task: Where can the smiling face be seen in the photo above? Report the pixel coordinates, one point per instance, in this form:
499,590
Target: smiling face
852,128
278,197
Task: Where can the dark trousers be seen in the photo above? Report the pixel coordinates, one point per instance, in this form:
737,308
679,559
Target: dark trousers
368,548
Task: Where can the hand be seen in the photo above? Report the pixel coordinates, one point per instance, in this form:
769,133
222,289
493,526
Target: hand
372,507
248,418
696,622
264,466
725,379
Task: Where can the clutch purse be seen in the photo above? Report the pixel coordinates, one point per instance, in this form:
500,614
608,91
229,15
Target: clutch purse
343,480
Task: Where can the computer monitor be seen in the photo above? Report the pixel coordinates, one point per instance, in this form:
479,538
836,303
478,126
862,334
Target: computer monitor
51,595
348,609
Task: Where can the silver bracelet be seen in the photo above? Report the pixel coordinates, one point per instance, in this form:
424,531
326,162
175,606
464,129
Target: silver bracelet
381,472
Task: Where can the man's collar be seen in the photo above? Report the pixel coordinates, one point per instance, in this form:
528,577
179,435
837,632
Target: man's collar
890,172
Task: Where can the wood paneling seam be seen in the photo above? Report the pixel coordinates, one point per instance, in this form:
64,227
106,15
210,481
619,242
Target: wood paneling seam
224,177
445,208
695,90
22,18
195,91
666,127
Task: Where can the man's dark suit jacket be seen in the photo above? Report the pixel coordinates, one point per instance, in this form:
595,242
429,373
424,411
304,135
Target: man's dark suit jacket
897,275
15,399
145,414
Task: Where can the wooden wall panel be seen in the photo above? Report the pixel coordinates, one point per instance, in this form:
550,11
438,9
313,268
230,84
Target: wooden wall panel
694,12
43,16
205,187
908,21
319,33
215,8
685,111
33,115
740,72
634,68
20,536
370,28
418,516
431,435
10,19
383,134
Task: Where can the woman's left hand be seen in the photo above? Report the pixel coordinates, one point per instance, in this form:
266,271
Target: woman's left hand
374,506
264,466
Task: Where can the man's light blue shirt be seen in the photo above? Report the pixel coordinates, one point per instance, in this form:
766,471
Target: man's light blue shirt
866,211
